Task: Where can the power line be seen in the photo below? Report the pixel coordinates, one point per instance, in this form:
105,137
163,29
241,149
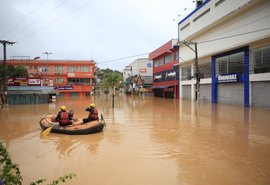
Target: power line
38,20
80,7
23,19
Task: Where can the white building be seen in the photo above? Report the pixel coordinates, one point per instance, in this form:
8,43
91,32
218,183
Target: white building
233,47
143,68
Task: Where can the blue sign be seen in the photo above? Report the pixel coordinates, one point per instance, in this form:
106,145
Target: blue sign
227,78
64,88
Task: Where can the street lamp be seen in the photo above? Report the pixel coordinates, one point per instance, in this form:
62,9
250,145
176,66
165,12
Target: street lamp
47,53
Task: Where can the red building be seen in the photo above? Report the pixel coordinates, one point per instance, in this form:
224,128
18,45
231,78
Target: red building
69,77
165,74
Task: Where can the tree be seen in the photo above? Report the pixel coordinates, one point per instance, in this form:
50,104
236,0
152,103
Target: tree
12,72
111,79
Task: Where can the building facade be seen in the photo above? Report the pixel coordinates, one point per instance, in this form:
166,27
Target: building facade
139,75
69,77
233,52
165,73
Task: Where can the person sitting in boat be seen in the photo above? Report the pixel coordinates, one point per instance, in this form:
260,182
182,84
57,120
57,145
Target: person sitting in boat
63,117
93,113
72,118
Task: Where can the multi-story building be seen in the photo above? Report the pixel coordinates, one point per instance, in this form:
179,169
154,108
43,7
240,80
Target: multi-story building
165,73
233,52
70,77
139,75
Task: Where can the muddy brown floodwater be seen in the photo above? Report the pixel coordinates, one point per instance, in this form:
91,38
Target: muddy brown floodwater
151,141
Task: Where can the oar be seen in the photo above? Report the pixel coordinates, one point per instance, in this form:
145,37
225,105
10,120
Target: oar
47,130
102,119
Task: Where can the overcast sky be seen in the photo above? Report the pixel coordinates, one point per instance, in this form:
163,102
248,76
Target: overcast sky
102,30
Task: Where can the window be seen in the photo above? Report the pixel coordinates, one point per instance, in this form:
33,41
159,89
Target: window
44,69
205,70
168,58
186,73
58,81
219,2
230,64
72,68
261,60
85,68
158,62
185,26
201,15
58,69
78,81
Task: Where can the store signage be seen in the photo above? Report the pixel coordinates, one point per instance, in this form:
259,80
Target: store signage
171,74
34,81
143,70
157,77
228,78
64,88
24,82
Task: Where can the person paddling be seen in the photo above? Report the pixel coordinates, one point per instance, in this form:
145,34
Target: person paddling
93,113
63,117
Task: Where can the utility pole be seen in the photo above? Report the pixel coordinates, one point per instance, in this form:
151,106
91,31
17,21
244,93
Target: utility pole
197,71
4,95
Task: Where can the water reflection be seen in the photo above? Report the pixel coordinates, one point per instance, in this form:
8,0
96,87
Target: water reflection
147,141
64,144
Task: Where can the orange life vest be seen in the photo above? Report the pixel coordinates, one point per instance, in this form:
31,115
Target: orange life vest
64,118
94,114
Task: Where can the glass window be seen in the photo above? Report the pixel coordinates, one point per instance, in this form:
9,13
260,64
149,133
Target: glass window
186,73
43,69
58,69
58,81
78,81
72,69
168,58
260,58
85,68
230,64
158,62
205,70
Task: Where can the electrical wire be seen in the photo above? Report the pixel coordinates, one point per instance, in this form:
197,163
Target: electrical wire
54,21
23,19
38,20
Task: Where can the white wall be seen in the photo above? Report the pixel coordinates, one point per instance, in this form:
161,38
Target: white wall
241,16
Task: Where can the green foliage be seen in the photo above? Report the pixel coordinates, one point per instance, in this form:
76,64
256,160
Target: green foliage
55,182
10,172
12,72
111,79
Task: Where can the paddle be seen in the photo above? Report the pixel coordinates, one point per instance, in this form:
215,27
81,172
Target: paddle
47,130
102,119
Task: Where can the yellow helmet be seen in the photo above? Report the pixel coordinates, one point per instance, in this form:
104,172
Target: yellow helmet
92,105
63,107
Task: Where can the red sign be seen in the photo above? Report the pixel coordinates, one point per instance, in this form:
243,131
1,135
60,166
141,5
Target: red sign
143,70
80,75
29,82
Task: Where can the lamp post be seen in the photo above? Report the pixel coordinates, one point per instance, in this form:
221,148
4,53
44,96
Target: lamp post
47,53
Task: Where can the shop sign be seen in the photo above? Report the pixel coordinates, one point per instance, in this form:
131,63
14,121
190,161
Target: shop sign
227,78
64,88
34,81
143,70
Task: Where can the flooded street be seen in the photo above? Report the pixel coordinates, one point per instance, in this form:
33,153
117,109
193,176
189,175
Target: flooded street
151,141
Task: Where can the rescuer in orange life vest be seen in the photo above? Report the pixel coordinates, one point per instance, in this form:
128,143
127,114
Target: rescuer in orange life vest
63,117
93,113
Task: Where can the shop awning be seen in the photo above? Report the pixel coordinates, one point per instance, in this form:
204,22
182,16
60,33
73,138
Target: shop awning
161,87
